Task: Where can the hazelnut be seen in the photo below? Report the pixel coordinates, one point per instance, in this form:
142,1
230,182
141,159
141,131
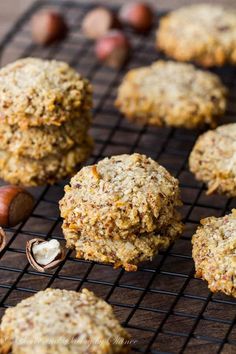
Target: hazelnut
47,27
137,15
44,255
99,21
113,48
16,205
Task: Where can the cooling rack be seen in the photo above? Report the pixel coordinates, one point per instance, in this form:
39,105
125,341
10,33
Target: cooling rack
162,305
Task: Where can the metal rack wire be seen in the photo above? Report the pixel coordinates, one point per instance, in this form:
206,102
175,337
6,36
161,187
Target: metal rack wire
163,306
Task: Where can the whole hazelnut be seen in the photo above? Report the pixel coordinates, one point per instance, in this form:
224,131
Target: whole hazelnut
113,49
99,21
16,205
137,15
48,26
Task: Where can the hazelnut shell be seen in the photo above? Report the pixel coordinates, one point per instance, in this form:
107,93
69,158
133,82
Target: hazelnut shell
48,26
99,21
37,266
16,204
137,15
113,49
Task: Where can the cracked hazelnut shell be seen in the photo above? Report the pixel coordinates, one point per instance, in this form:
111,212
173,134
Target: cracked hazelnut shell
31,257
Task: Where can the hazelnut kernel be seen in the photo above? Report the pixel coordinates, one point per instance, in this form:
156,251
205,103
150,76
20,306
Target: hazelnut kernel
44,255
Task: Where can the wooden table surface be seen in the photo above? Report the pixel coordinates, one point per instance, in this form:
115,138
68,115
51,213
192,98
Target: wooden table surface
9,11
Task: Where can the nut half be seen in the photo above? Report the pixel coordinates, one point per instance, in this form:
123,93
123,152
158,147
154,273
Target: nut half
44,255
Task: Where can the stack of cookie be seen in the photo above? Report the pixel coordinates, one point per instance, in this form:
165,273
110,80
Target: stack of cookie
121,211
45,112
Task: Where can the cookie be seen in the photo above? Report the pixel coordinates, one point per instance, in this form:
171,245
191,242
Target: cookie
203,33
126,202
35,92
170,93
39,142
60,321
214,253
48,170
45,115
213,159
124,252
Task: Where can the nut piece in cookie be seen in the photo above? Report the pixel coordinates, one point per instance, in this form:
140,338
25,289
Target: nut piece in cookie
61,321
122,211
214,249
204,33
170,93
213,159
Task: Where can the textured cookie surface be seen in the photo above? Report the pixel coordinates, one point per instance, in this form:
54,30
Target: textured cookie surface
36,92
214,247
39,142
213,159
61,321
31,172
170,93
126,253
126,198
204,33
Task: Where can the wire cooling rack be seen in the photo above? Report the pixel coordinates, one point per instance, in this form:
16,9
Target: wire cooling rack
162,305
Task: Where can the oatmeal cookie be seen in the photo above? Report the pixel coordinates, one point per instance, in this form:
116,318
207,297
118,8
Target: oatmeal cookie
175,94
204,33
61,321
33,172
214,249
39,142
124,202
213,159
35,92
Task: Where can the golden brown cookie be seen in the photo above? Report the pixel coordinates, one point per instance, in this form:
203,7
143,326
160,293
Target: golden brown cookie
213,159
45,115
203,33
50,169
122,210
35,92
171,93
214,247
39,142
61,321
